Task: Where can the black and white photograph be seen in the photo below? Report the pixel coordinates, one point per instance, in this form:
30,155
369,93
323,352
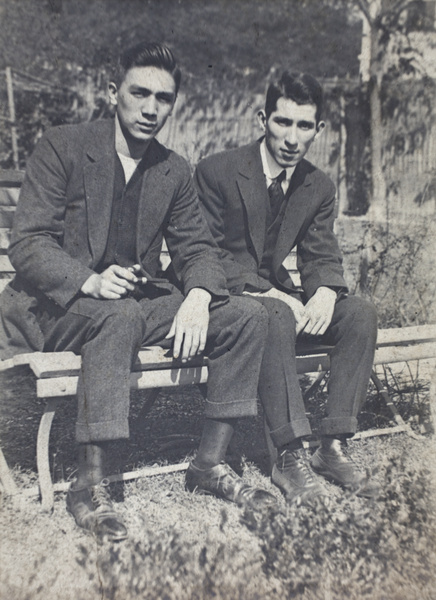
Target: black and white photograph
217,300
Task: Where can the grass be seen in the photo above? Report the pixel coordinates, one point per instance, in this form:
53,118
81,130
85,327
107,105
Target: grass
187,546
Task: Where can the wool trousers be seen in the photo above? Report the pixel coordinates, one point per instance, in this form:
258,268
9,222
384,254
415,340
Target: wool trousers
109,333
353,333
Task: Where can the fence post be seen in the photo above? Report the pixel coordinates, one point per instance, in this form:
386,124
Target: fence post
11,104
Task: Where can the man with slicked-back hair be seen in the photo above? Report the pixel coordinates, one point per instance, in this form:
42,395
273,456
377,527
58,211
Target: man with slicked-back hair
96,202
261,201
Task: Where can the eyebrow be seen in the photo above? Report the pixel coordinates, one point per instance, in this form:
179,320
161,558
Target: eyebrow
306,123
301,123
144,90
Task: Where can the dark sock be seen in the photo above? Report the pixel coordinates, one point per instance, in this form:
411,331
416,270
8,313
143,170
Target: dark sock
326,440
91,464
290,446
215,439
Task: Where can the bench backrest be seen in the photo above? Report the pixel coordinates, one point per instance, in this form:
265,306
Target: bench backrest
10,183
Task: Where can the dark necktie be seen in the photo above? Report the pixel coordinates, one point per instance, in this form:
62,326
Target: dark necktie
276,194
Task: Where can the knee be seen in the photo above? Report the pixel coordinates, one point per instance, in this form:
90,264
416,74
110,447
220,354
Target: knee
251,312
280,317
363,315
124,315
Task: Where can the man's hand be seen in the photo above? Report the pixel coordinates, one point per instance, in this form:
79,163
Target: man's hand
295,305
319,311
113,283
190,325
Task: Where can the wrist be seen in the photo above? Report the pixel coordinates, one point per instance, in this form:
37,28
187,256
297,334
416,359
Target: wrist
89,285
326,292
200,295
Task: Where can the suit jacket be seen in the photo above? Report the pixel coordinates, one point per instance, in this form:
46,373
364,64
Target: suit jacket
234,195
62,224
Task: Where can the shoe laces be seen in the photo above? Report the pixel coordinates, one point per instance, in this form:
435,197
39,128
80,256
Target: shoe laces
229,479
100,496
296,459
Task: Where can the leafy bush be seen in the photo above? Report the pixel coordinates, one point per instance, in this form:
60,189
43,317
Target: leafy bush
344,547
339,547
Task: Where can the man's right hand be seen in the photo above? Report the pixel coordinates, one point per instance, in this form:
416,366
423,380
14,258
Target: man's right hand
113,283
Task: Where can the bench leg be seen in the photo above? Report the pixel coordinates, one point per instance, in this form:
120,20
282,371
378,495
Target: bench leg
148,404
6,479
315,385
389,403
42,455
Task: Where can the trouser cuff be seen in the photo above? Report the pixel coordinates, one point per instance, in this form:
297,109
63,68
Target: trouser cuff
102,432
290,431
231,410
338,426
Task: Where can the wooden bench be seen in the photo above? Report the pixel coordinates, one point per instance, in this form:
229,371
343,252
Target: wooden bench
56,374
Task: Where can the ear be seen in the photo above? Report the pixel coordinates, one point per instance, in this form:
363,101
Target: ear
261,117
113,93
319,129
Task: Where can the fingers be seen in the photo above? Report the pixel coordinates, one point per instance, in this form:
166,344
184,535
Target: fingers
136,269
202,342
317,324
300,325
178,341
317,327
188,342
172,331
111,295
122,279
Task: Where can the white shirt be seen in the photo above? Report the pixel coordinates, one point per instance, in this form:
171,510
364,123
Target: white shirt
272,169
129,165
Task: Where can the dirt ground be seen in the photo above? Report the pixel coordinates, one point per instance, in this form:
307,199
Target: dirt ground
46,556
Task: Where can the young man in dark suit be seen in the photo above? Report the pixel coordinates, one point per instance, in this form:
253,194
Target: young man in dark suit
261,201
95,204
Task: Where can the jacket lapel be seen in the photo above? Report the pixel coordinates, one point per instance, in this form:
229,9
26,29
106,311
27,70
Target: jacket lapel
98,182
156,196
252,187
297,210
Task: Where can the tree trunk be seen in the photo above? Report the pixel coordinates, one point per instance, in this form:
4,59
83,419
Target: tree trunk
378,206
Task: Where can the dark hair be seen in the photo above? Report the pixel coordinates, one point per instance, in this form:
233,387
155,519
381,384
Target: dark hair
147,54
299,87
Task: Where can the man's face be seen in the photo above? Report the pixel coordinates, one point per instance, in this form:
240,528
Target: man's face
144,101
290,130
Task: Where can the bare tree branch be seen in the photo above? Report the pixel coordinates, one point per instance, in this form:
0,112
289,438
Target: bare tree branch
364,7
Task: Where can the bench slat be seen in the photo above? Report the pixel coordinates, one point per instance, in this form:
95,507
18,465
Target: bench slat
5,236
6,216
60,364
10,178
311,358
405,353
5,264
420,333
67,386
3,284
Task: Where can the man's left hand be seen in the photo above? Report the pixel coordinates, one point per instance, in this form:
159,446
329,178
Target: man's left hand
319,311
190,325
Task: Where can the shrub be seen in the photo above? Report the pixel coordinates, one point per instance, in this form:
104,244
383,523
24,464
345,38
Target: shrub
345,547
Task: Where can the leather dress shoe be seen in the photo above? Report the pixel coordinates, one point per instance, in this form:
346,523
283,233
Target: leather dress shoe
292,474
337,467
93,510
223,482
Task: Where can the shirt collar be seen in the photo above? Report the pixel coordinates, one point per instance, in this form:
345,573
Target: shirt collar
271,168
